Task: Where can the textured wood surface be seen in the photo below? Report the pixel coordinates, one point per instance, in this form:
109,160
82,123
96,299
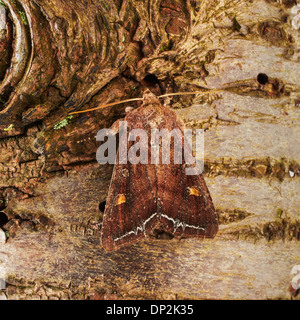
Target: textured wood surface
252,166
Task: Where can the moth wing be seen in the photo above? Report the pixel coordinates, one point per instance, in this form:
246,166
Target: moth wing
131,206
187,209
184,203
144,198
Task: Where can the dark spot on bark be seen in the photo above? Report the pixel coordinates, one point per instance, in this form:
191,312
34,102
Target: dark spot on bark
150,80
102,206
3,219
262,78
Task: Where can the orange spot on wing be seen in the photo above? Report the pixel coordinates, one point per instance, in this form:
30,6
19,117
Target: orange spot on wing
121,199
194,192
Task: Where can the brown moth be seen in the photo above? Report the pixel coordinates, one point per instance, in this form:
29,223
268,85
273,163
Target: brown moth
155,199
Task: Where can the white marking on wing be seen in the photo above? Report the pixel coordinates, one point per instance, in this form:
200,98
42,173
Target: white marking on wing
177,224
140,228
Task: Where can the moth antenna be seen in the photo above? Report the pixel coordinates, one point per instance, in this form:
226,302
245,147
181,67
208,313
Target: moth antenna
140,99
191,92
106,105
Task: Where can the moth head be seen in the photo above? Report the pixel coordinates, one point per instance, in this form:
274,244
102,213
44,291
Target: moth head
150,98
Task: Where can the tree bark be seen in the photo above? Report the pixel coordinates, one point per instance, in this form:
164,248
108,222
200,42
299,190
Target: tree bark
67,57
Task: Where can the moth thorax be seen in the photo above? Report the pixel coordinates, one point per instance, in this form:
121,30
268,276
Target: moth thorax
155,122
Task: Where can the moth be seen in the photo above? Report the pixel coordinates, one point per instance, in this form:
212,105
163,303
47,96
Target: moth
155,199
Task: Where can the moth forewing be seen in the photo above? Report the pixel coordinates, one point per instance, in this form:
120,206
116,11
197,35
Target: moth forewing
155,198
